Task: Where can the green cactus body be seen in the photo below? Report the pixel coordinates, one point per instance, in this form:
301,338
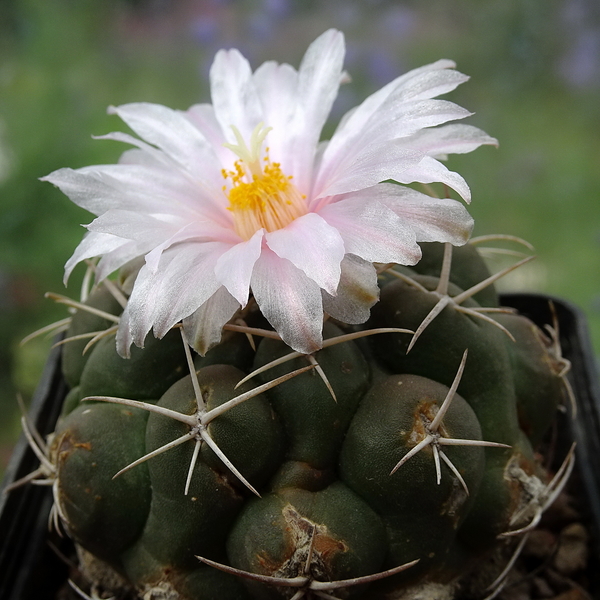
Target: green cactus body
348,374
536,370
96,440
275,534
83,322
356,471
392,419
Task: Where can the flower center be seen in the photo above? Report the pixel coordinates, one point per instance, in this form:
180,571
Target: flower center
261,196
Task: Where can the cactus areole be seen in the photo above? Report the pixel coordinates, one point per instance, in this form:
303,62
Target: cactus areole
297,381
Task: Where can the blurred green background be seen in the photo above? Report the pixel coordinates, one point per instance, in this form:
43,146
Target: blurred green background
535,68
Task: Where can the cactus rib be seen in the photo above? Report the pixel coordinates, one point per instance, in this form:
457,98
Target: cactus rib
435,439
197,422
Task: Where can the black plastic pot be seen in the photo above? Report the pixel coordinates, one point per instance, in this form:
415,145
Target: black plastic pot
30,567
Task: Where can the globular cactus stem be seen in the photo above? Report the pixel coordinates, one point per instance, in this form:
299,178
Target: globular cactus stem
397,459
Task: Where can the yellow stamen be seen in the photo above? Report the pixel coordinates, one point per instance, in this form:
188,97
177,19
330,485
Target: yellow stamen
261,195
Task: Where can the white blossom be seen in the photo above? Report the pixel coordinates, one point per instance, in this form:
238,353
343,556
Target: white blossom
239,198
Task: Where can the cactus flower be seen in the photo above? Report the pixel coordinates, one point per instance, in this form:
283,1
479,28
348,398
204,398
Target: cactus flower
240,198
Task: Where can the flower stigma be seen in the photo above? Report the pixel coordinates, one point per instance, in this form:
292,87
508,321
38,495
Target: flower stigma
261,196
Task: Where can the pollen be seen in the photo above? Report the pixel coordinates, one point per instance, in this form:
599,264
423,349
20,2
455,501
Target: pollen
261,195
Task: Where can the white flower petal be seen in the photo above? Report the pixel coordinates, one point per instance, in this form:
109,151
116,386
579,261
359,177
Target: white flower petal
395,107
371,166
357,292
234,96
174,134
290,301
313,246
277,88
135,226
427,84
234,267
355,119
431,219
124,337
111,261
371,230
203,117
450,139
164,209
410,117
190,282
204,327
430,170
183,280
139,188
157,228
318,83
152,153
91,246
153,257
206,181
374,151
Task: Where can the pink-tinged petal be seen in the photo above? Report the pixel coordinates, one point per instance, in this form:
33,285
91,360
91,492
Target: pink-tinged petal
135,226
371,230
357,293
290,301
318,83
139,157
431,219
183,280
161,179
204,327
389,105
313,246
378,144
190,281
111,261
369,167
203,117
355,119
204,187
92,245
277,88
206,182
153,258
91,188
137,318
202,192
157,228
234,96
234,267
410,117
450,139
426,85
138,188
430,170
421,84
129,272
172,132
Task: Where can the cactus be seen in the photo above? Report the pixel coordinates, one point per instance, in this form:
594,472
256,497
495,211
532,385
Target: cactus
363,470
390,452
